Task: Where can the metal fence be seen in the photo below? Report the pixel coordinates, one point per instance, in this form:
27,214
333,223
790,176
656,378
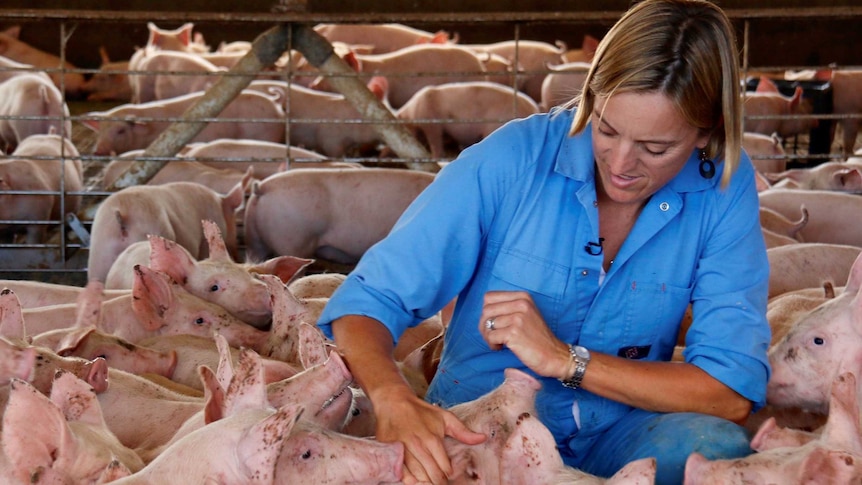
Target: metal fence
62,255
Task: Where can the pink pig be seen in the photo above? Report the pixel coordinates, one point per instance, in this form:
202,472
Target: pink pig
133,126
839,176
71,444
14,48
242,438
266,157
43,163
37,106
532,56
110,82
301,212
830,213
768,101
820,346
160,82
562,84
463,105
836,457
173,211
382,37
766,152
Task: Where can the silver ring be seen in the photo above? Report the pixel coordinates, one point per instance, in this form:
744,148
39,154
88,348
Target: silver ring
489,323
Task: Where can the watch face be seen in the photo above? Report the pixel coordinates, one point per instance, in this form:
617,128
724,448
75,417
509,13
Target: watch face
582,352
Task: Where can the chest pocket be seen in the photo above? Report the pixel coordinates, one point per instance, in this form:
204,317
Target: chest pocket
653,312
545,280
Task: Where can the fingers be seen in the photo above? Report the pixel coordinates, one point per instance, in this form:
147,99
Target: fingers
426,464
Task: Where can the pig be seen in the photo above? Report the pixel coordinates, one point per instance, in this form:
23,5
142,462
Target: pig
173,211
766,152
90,343
335,137
218,279
836,457
299,212
384,38
409,69
219,180
243,439
585,53
562,84
265,157
37,108
71,444
846,102
784,310
288,313
532,56
110,82
838,176
808,265
770,436
768,101
181,38
123,128
318,285
42,163
12,68
195,350
62,73
33,294
168,74
820,346
829,212
462,104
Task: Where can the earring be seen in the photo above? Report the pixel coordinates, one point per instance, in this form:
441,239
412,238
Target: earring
706,167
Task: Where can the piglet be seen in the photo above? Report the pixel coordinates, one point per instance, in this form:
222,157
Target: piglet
768,102
840,176
34,107
62,73
836,457
818,348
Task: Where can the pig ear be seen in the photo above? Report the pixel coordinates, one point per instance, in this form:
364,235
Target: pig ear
89,303
247,389
215,242
170,258
379,86
765,85
763,431
797,97
260,447
224,371
11,316
287,268
76,399
91,124
74,339
185,33
590,45
761,181
353,62
849,179
234,198
103,54
828,466
854,280
213,395
151,297
312,348
842,428
32,448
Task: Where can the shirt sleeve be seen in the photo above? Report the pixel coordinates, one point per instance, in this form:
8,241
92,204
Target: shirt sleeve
433,249
729,336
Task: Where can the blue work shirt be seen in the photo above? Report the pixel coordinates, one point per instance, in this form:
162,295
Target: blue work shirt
515,212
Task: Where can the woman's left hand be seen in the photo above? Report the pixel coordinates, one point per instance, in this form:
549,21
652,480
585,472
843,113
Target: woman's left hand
518,325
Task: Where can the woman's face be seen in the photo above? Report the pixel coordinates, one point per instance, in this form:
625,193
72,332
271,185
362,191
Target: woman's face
640,143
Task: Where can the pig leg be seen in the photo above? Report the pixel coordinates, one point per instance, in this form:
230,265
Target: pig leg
850,127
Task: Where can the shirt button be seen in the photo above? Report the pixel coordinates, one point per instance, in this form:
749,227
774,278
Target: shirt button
595,203
664,206
584,273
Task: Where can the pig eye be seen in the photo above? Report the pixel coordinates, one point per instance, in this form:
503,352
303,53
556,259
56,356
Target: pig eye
306,455
818,341
356,412
214,288
199,321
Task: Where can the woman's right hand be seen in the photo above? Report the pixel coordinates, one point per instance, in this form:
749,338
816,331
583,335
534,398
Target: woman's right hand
421,427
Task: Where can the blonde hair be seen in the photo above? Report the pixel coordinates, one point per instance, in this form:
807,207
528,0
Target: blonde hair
685,49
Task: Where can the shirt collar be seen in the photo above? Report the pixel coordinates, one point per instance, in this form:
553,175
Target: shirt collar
575,160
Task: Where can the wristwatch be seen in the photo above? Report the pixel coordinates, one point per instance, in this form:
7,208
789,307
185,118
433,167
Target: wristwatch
581,357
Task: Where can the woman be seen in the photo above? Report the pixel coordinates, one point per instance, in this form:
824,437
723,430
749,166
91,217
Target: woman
574,242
